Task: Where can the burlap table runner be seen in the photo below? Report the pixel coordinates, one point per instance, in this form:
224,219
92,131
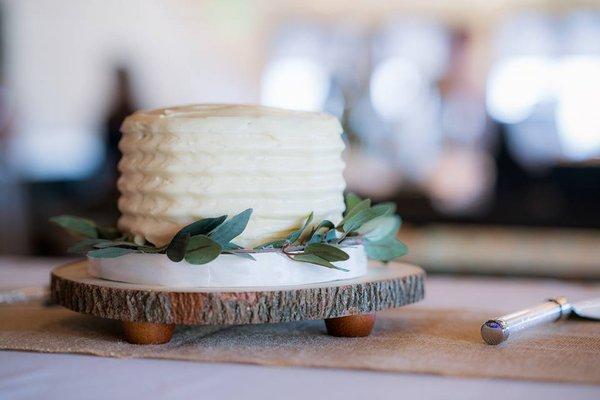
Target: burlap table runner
410,339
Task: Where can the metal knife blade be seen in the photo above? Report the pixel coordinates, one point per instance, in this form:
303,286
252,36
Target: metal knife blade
589,309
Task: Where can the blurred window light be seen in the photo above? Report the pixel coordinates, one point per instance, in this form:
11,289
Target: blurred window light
395,86
296,83
581,32
301,38
373,133
463,118
425,43
56,154
418,139
345,46
516,85
528,33
577,115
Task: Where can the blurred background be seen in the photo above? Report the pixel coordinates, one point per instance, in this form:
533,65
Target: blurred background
481,119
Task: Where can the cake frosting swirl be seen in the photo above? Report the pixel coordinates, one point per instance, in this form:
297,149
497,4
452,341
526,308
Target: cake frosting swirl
184,163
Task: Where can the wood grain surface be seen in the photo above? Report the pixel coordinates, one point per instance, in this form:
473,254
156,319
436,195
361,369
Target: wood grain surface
384,286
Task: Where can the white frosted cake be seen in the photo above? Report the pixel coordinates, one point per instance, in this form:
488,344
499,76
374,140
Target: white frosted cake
183,164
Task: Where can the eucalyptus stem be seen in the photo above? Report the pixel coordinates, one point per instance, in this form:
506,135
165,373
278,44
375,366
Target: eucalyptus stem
289,249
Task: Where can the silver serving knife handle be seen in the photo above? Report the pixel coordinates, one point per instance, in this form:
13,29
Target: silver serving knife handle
496,331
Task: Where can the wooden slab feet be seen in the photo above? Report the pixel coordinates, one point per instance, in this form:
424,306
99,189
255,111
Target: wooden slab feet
150,333
351,325
147,332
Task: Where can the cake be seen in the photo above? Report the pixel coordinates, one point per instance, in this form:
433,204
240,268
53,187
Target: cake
184,163
228,196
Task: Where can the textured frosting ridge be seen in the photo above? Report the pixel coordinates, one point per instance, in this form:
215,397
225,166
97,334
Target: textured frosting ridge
184,163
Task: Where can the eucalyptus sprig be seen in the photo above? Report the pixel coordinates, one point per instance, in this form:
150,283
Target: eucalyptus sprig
322,243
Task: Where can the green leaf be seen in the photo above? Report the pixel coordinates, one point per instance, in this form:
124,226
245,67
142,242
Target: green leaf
389,205
108,232
77,226
380,227
116,243
357,220
316,238
201,241
203,255
176,249
110,252
85,245
325,224
232,246
384,208
274,244
178,246
201,249
320,232
313,259
331,236
363,205
351,201
386,249
294,236
202,226
150,249
232,228
306,235
327,252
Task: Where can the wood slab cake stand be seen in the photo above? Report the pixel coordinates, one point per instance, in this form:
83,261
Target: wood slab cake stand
150,313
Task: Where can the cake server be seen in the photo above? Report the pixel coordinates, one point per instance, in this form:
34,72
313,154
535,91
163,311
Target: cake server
497,330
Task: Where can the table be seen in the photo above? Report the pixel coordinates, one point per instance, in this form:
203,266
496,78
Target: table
33,375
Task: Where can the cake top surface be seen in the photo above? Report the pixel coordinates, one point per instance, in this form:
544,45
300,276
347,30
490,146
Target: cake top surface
232,110
230,118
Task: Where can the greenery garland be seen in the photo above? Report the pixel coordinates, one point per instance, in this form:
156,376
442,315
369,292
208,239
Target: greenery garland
374,226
